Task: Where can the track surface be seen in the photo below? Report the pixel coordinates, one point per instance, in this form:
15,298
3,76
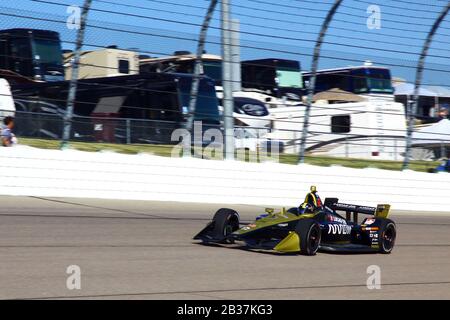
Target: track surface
143,250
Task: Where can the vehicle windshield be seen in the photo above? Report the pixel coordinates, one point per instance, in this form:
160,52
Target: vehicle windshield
207,109
289,78
47,51
372,80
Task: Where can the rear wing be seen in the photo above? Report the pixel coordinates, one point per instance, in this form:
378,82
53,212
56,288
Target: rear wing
381,211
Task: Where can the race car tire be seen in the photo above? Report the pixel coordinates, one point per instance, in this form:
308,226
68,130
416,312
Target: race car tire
310,234
387,235
226,221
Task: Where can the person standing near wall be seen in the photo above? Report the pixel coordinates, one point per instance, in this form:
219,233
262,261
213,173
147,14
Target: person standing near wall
8,137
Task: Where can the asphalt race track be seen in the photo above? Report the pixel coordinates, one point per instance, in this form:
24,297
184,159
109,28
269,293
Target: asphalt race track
143,250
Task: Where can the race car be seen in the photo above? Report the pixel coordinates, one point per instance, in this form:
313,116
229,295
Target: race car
299,231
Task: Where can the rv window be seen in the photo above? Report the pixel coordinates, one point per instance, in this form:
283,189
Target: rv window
340,124
3,54
124,66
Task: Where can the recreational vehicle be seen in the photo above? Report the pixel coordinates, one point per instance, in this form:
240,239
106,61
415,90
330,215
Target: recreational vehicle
154,105
371,82
369,129
30,53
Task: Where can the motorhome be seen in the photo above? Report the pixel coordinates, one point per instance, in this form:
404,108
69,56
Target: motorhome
33,54
368,129
267,83
369,81
110,88
108,62
135,109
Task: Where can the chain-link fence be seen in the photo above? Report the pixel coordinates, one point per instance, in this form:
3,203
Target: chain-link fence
364,81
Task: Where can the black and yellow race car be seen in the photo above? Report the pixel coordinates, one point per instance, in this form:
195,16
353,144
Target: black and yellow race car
307,231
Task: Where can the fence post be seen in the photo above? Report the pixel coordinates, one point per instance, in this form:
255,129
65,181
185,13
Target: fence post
128,124
346,148
419,74
395,150
75,72
312,82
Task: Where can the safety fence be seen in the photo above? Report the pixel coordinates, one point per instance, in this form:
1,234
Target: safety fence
271,138
370,34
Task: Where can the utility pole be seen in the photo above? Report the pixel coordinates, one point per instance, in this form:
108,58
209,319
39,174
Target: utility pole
228,103
75,72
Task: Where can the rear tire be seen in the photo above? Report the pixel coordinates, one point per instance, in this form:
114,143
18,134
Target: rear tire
310,235
226,221
387,236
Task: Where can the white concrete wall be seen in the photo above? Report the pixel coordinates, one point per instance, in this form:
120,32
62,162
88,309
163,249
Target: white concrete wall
27,171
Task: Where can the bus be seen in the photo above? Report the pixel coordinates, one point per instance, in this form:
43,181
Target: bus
362,80
143,108
34,54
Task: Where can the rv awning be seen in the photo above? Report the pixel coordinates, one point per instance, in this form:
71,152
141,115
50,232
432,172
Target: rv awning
436,134
407,89
338,95
441,92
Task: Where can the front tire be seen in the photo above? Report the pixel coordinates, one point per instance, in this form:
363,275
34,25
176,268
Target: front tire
226,221
310,235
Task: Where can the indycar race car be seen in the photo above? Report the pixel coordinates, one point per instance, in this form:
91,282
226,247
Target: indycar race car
296,231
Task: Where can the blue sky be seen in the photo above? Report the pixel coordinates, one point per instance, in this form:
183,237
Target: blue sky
282,29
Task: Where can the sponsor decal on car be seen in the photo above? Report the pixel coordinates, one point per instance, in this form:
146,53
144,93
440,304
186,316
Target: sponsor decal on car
339,229
370,228
368,222
332,218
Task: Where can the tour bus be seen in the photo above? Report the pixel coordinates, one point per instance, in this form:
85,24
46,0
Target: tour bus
34,54
154,104
369,81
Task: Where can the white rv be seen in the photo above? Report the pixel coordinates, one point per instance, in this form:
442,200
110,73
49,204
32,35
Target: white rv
370,130
374,128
